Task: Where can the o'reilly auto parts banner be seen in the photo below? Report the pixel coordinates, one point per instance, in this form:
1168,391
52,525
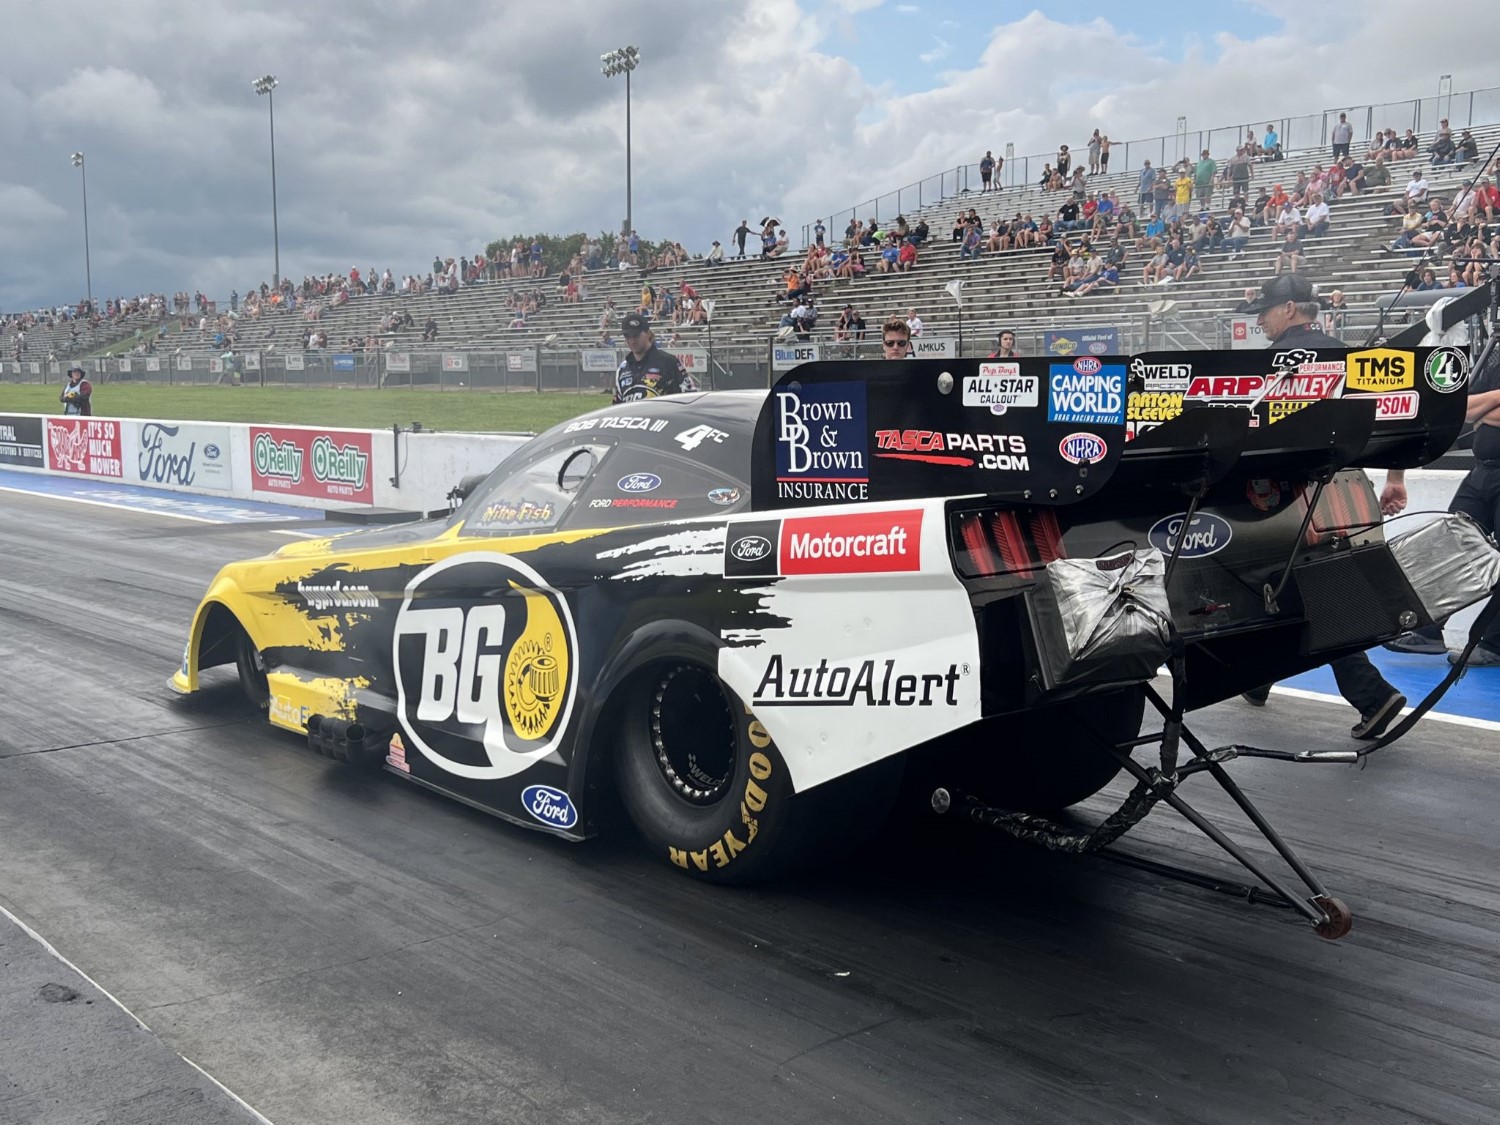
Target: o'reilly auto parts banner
323,464
89,447
21,442
189,454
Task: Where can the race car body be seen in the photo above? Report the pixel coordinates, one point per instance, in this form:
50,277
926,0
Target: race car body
742,612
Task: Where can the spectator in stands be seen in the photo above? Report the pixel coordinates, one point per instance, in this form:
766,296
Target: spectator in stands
1210,240
1067,216
1428,281
913,323
906,256
1290,253
1064,161
1005,346
1177,255
1078,185
1353,180
430,330
1442,150
1203,178
919,233
971,247
1106,280
805,319
1315,222
1155,269
1468,149
1062,254
1191,266
1045,183
1095,146
1417,187
890,256
77,394
843,327
1162,194
1276,202
1270,144
1409,147
1145,184
1342,136
1238,235
895,338
1289,218
1377,175
986,170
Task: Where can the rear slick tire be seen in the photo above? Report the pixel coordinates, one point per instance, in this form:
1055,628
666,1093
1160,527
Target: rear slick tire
710,793
252,669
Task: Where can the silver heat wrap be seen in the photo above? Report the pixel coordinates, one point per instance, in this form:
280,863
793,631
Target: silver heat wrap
1103,619
1451,563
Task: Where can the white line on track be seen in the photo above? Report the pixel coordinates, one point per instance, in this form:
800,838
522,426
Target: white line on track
152,511
1432,716
113,999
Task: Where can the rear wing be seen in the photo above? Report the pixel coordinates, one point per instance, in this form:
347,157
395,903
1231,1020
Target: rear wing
1055,431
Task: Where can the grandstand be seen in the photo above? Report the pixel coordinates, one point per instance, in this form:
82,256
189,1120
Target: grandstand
1003,289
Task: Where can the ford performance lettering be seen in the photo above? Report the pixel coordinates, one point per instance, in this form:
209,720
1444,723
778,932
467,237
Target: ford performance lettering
870,683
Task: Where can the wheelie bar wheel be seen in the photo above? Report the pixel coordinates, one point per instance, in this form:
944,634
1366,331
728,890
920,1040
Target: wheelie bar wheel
1339,920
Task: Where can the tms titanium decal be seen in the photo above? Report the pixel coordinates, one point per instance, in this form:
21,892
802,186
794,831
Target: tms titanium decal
872,683
1381,369
1208,534
861,543
999,386
551,806
1086,393
486,665
821,448
994,451
1447,370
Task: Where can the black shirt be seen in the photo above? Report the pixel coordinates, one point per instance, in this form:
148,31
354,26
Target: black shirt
654,374
1305,336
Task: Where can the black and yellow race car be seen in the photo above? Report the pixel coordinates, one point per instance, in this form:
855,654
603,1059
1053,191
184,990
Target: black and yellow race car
747,616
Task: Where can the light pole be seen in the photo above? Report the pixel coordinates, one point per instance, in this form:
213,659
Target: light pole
265,84
622,61
88,269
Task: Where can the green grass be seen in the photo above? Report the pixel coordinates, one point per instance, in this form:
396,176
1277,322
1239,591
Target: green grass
359,409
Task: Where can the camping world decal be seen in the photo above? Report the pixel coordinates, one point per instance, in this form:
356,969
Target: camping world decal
324,464
486,660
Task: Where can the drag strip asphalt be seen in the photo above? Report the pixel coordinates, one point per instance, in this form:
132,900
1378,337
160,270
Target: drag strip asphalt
337,946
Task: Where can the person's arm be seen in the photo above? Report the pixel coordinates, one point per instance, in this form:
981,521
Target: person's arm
1393,495
1484,408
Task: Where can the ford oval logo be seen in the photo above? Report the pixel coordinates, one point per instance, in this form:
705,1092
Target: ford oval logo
211,451
1087,365
639,482
550,806
749,548
1083,449
1208,534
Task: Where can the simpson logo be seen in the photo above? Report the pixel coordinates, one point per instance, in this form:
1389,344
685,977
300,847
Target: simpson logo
870,683
994,451
1381,369
1086,393
486,665
867,543
1000,391
1447,370
1208,534
551,806
281,459
1394,407
1083,449
822,451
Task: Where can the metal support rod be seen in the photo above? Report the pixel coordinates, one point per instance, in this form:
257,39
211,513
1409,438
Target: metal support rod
1272,594
629,213
88,266
275,220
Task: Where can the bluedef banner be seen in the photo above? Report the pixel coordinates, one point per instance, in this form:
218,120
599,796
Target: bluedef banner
188,454
21,441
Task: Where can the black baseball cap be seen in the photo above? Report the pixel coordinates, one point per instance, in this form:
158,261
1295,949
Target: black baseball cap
632,323
1281,289
76,368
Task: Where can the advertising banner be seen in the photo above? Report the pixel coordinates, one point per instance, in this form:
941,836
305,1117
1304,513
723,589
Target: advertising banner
36,367
343,361
455,361
295,361
124,365
1084,341
311,462
252,361
183,453
21,442
89,447
520,361
1245,333
153,363
784,357
934,347
694,360
184,363
598,359
398,361
216,365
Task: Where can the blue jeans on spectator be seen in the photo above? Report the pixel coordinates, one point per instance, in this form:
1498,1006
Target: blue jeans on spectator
1315,232
1235,245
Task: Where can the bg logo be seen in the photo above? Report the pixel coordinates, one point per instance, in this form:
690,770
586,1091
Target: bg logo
485,660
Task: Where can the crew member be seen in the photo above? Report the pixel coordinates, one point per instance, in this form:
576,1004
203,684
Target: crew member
1005,346
77,395
1285,311
1478,496
647,372
895,338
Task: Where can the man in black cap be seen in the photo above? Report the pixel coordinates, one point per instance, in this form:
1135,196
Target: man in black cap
647,372
77,395
1286,310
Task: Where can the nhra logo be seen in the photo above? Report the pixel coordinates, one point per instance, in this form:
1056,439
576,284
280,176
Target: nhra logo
1082,449
485,659
278,458
1087,365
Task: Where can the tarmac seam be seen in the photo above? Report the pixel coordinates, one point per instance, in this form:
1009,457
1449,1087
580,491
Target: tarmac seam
839,1039
121,741
115,1000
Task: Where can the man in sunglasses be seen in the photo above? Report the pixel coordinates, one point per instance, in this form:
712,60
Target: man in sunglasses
895,338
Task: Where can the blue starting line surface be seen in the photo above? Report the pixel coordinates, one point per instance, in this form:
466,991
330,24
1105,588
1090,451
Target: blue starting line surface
157,501
1475,697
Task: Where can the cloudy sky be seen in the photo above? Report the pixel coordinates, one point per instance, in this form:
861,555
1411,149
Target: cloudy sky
407,128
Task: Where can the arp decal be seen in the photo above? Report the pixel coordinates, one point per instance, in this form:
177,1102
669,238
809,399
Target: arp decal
871,683
551,806
1086,393
865,543
1447,370
822,450
486,665
1083,449
1381,369
639,482
1208,534
1225,386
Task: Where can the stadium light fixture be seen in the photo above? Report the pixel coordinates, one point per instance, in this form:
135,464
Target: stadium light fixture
623,60
88,269
265,84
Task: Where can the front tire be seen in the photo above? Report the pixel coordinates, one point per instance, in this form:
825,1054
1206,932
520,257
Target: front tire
252,669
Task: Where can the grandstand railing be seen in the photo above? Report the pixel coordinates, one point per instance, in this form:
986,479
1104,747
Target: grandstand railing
1298,134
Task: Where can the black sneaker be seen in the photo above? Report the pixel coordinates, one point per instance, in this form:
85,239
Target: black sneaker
1416,643
1257,697
1373,724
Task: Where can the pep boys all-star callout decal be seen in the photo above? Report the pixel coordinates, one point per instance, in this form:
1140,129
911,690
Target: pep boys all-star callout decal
325,464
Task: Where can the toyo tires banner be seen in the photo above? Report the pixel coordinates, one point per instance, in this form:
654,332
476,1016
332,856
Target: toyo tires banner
325,464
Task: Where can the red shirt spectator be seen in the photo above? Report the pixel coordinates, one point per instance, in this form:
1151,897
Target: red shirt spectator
908,256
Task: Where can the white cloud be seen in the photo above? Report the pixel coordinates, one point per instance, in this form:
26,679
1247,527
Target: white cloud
940,50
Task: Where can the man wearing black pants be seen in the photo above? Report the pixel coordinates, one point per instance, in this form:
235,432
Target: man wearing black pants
1478,496
1286,307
